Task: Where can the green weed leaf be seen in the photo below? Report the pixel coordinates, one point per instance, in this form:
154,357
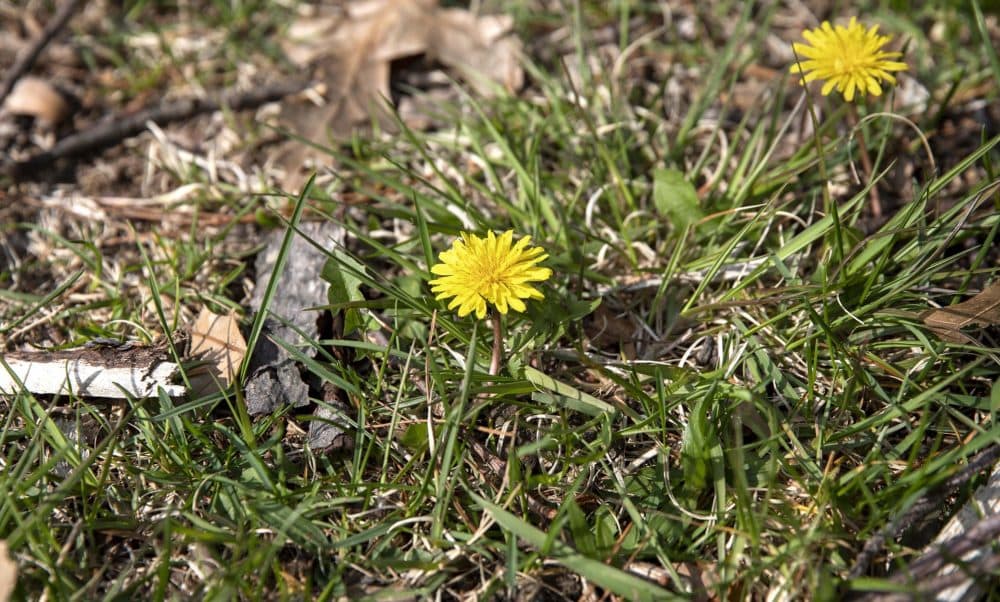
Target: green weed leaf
344,272
699,437
676,198
611,578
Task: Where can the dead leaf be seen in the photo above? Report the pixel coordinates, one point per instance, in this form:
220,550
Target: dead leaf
216,341
352,49
380,30
8,573
38,98
479,48
612,331
700,577
981,310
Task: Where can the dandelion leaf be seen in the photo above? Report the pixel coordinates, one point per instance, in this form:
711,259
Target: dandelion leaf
344,273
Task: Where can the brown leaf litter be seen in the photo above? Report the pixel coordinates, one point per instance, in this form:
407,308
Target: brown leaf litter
981,310
217,341
36,97
351,51
8,573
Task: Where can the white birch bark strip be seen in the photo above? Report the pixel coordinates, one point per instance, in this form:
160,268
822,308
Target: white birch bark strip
86,378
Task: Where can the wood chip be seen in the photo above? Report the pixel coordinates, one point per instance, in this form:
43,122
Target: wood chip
985,503
274,377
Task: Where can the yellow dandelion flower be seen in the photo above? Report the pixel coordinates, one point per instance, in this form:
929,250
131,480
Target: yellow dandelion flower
477,271
848,58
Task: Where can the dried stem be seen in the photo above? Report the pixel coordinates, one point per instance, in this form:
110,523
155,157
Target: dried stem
866,163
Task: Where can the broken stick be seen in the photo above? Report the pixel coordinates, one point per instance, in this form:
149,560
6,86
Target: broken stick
115,128
114,372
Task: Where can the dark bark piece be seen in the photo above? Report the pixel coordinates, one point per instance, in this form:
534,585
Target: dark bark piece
275,379
124,355
328,428
934,499
300,287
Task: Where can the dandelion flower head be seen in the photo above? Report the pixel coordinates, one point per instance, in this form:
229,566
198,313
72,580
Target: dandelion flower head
849,59
476,271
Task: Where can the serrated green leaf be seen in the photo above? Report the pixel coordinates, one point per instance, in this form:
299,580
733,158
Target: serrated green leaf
344,272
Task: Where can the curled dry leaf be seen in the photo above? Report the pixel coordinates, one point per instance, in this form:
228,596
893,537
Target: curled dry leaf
38,98
480,48
351,51
981,310
216,341
8,573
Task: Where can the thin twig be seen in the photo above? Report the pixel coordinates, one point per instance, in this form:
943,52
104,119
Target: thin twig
114,129
929,502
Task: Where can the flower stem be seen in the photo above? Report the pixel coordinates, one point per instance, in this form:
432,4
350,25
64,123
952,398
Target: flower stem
866,163
497,344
